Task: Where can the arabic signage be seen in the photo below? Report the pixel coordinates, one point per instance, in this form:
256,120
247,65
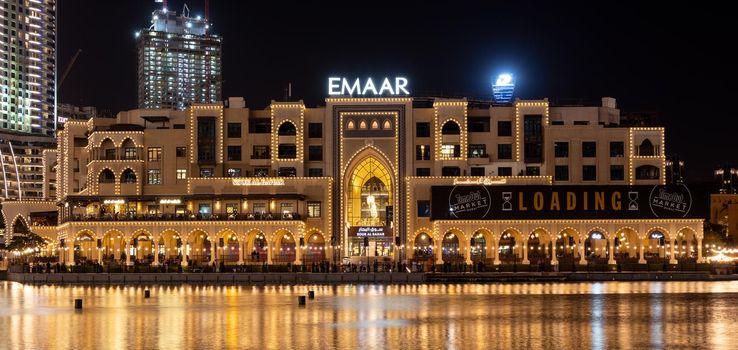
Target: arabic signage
370,231
257,181
479,202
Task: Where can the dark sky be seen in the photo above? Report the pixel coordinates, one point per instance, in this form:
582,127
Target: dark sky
675,61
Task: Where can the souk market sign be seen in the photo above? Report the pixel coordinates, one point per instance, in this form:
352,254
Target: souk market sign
340,86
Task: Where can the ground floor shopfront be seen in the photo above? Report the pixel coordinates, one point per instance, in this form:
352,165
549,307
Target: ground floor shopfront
552,241
471,242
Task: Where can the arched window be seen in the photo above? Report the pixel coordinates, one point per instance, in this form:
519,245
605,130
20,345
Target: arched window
287,129
450,128
375,124
362,125
107,176
107,150
128,177
387,125
351,125
129,149
646,148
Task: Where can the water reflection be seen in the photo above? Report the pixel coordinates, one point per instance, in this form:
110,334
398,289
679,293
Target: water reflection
499,316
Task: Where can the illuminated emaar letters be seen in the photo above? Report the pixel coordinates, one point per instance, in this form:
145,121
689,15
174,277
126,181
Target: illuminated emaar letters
344,87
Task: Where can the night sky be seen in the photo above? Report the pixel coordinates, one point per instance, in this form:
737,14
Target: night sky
674,61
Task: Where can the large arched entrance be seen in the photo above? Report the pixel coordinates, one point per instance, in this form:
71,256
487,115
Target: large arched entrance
143,247
451,251
256,246
170,247
423,247
114,247
198,247
85,247
509,247
229,246
284,247
369,203
596,247
481,246
314,248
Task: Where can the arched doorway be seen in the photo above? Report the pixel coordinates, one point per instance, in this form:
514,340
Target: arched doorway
423,247
369,208
114,247
198,248
654,246
257,247
143,248
595,247
626,246
480,244
315,248
284,247
170,247
451,251
538,250
85,247
508,247
685,249
231,248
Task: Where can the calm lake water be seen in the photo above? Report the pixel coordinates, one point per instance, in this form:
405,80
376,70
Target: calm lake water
687,315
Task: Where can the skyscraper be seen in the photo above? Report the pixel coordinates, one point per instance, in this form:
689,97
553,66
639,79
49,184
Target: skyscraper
27,95
28,60
178,61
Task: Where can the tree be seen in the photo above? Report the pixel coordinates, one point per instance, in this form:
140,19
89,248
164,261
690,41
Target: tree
24,242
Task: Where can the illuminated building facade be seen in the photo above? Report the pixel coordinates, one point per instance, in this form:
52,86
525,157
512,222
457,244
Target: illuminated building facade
370,179
28,60
179,62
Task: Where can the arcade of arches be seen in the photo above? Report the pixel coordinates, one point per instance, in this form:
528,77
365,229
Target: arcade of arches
196,247
558,243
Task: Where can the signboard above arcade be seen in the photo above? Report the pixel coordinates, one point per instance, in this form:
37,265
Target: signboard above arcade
340,86
479,202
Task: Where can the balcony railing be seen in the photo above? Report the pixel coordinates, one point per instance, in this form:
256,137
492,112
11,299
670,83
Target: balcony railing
185,217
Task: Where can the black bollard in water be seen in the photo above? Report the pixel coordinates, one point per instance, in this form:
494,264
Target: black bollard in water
78,303
301,300
311,294
147,294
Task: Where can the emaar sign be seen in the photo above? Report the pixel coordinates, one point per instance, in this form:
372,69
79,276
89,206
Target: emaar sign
338,86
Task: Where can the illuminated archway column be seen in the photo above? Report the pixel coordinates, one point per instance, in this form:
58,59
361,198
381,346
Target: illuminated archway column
128,253
554,259
156,254
525,253
496,251
213,251
700,259
270,251
100,255
185,251
467,253
438,251
69,253
641,256
672,258
611,251
298,253
580,247
241,248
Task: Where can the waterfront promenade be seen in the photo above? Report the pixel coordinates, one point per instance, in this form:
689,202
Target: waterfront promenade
356,278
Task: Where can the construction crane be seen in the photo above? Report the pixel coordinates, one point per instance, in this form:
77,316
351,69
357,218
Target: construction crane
69,67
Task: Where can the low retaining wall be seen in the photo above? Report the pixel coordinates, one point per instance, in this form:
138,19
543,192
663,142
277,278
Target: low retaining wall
216,278
357,278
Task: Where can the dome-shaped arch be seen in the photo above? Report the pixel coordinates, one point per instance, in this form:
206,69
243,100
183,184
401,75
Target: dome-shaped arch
646,148
287,128
351,125
375,124
107,149
450,127
387,125
20,225
315,245
128,176
106,176
362,124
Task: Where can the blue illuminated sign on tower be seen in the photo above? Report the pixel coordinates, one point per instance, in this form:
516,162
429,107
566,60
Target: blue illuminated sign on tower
503,88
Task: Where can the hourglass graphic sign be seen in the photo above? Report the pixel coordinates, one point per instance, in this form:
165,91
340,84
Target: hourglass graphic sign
633,200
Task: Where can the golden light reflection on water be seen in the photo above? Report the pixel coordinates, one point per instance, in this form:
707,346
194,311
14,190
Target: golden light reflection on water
503,316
